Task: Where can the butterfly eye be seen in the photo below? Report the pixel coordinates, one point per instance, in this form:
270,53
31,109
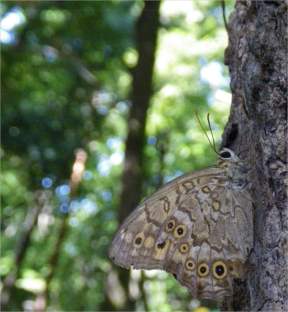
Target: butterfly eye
170,225
190,265
138,241
206,189
203,270
161,245
180,231
184,248
219,269
225,154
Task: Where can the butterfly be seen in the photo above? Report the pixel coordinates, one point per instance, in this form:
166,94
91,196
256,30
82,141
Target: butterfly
198,227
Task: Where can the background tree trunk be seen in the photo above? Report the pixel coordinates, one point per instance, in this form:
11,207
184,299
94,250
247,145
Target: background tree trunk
146,36
257,128
141,92
53,261
41,199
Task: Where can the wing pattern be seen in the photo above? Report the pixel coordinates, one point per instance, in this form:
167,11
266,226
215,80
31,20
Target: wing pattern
196,227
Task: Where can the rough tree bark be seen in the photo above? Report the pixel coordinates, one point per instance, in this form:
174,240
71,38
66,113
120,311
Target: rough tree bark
257,128
141,92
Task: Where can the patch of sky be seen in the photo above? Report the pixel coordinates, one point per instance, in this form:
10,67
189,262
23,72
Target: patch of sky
7,37
106,195
152,140
85,204
100,101
187,9
122,106
114,143
88,175
62,191
8,23
105,96
46,182
50,53
116,158
171,90
212,73
202,61
70,249
88,206
223,100
217,13
210,99
169,178
106,162
220,100
64,207
74,222
104,165
75,205
102,110
12,19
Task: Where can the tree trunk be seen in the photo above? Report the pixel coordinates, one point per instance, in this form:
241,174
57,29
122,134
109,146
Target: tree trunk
41,199
53,262
132,178
257,128
146,36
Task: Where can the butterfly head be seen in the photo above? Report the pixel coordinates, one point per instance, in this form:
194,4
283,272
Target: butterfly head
228,155
236,169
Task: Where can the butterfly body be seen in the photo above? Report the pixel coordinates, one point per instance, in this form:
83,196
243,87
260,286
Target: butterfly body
199,227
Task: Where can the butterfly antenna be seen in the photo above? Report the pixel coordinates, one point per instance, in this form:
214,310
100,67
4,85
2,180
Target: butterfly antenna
210,128
200,123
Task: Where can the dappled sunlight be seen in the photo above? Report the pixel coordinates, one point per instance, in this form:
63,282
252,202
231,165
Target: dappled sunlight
8,23
67,78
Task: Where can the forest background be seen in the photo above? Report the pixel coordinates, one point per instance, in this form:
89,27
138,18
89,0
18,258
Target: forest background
67,79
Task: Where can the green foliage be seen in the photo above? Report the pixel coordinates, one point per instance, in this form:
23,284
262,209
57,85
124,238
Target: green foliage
66,82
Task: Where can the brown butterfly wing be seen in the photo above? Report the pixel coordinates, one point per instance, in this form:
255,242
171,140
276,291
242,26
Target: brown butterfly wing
186,228
219,240
149,218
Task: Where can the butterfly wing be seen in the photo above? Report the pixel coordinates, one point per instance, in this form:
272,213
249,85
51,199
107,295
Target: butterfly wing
219,240
147,223
185,228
